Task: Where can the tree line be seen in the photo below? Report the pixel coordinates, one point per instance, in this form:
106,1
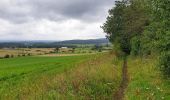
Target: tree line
141,27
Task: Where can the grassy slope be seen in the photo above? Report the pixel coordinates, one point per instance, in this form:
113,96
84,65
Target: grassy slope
146,82
37,77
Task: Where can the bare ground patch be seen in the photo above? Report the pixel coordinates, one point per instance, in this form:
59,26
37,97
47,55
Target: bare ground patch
119,94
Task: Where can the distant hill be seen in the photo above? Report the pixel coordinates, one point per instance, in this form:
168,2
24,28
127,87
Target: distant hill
51,44
90,41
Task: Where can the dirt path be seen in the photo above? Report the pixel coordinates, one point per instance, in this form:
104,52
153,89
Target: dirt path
119,94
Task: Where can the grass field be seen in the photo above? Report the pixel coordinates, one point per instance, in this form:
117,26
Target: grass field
77,77
18,52
146,81
65,77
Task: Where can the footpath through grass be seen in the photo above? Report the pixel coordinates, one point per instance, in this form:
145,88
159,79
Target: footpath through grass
49,78
95,77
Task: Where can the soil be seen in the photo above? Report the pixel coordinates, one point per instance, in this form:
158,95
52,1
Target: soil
119,94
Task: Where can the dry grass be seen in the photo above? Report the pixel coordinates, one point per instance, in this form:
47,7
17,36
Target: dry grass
95,79
26,51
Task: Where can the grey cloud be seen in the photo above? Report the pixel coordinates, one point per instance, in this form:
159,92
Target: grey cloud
25,10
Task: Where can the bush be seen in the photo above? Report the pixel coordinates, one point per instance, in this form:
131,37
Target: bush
117,50
29,54
165,63
7,56
135,46
51,52
90,51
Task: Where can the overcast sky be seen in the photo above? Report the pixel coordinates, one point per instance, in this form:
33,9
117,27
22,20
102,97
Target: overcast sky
52,19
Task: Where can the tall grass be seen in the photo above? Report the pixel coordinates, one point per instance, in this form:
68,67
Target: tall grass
146,82
97,78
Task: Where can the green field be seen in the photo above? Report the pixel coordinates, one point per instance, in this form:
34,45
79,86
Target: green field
16,71
29,65
45,77
77,77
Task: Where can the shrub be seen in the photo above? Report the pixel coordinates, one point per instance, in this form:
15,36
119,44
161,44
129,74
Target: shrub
117,51
83,51
135,46
7,56
165,63
100,50
29,54
51,52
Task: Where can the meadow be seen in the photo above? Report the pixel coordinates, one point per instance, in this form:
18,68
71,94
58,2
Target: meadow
65,77
95,76
146,81
18,52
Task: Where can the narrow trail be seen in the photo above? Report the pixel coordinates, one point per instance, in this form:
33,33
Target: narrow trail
119,94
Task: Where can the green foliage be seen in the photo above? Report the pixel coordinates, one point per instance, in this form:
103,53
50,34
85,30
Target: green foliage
7,56
114,24
156,37
97,48
118,51
146,82
141,27
165,63
136,46
56,49
125,21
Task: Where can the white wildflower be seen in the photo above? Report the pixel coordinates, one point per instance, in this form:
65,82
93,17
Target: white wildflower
158,88
152,94
163,97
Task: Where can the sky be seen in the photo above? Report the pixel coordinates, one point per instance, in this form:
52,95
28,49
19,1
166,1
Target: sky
53,19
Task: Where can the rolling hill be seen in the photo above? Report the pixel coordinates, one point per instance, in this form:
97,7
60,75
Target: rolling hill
51,44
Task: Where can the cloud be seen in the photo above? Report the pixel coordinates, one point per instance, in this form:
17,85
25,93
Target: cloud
52,19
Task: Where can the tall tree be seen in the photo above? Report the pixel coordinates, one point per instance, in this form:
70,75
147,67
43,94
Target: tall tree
125,21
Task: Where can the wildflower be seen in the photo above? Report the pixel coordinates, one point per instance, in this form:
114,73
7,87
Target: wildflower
158,88
109,83
147,88
152,94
